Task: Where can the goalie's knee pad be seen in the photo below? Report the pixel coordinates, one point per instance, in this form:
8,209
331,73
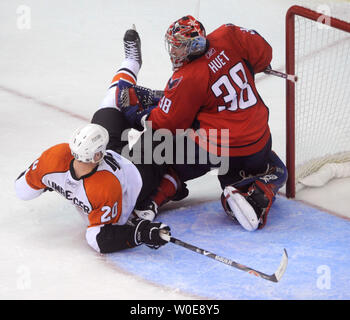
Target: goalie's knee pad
277,174
264,189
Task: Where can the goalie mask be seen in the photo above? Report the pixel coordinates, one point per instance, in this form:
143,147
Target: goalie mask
87,141
185,39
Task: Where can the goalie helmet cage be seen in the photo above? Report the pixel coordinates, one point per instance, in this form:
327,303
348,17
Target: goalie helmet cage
317,106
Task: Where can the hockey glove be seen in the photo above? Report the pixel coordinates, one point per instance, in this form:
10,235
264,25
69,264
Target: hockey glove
149,233
129,94
136,116
126,95
128,100
148,97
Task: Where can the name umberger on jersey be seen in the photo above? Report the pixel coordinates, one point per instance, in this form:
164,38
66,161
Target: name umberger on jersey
107,195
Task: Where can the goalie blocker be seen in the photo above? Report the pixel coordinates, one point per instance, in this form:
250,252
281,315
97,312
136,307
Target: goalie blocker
249,202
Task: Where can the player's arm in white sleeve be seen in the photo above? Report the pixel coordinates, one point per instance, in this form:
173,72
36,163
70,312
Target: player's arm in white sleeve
23,190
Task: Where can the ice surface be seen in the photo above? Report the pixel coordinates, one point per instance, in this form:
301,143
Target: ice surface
59,68
315,241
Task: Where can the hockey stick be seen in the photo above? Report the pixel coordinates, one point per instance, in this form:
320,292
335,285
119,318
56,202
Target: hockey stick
158,94
275,277
286,76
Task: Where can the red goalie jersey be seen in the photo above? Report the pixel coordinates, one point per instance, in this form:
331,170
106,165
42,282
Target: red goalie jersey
217,91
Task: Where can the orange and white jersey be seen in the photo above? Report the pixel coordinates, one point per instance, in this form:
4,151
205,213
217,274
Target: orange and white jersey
106,195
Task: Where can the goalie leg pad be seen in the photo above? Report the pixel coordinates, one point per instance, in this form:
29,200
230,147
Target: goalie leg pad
239,209
261,196
258,195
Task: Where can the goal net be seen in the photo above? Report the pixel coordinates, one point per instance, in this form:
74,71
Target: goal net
318,104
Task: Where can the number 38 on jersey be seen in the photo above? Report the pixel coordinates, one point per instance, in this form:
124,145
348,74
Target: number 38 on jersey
244,99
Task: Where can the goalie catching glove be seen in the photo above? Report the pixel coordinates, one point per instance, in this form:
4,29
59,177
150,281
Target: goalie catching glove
136,102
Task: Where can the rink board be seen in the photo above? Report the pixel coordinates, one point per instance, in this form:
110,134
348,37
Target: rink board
317,244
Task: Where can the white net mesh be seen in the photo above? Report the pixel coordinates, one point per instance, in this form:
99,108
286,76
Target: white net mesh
322,96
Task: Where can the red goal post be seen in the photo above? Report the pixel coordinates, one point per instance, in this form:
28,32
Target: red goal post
315,44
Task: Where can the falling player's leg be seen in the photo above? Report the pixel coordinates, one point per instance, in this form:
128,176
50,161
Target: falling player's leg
165,182
159,187
132,63
129,68
109,115
158,184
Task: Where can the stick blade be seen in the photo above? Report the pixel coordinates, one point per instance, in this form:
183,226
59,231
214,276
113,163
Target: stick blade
282,267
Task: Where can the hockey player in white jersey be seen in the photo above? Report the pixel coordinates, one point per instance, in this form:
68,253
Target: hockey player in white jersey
117,198
100,183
